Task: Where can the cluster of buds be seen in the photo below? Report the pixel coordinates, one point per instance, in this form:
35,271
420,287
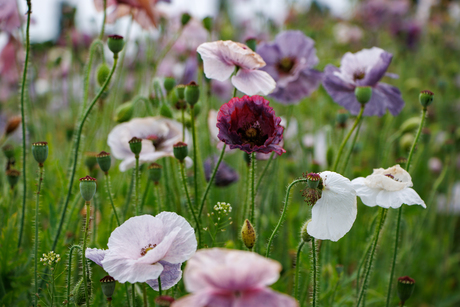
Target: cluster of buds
50,259
312,191
222,207
221,211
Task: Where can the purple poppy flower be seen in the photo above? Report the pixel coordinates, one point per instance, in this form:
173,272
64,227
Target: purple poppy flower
250,124
225,174
363,68
147,247
290,58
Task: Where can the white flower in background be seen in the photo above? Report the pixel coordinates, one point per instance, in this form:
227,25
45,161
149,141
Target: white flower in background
220,59
387,188
335,212
158,136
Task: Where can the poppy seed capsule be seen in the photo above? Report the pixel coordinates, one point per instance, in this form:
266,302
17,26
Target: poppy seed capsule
169,83
104,160
313,180
115,43
87,187
8,150
108,284
180,91
135,144
406,287
102,73
40,152
154,170
303,232
426,98
342,117
180,150
192,93
248,234
13,177
90,160
363,94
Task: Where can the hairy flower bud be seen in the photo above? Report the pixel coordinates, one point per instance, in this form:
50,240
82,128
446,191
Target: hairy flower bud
406,287
12,124
115,43
303,232
87,187
102,72
248,234
40,152
426,98
363,94
104,160
135,144
192,93
78,292
180,150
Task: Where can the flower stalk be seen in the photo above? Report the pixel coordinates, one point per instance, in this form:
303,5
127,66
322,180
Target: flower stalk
195,153
297,270
37,208
252,174
85,239
184,182
314,256
109,192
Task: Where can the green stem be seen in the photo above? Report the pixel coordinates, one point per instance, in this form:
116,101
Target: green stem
133,295
92,49
286,200
158,200
345,140
23,123
37,209
85,239
195,153
315,272
52,288
128,196
184,182
144,197
264,171
76,150
383,213
159,285
69,268
297,270
350,151
234,92
253,163
398,222
144,294
183,125
101,35
109,192
136,188
127,295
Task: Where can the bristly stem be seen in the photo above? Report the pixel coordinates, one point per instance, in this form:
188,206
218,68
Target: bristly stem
264,171
101,35
23,123
136,184
315,272
184,183
297,270
286,200
252,173
37,208
345,140
398,222
85,239
195,153
109,192
69,268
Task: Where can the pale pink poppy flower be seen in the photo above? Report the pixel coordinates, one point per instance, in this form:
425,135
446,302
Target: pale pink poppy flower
232,278
220,59
9,16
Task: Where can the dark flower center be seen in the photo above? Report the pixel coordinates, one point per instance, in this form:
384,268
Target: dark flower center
252,134
156,140
358,75
286,65
144,250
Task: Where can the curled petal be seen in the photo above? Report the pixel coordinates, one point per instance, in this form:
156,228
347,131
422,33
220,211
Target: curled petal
169,277
214,64
253,82
96,255
408,196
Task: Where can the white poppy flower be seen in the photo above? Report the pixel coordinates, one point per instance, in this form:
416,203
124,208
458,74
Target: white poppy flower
158,136
220,59
335,212
387,188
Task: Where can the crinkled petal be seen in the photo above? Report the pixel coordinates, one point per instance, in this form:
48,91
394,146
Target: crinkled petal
307,82
334,213
159,252
96,255
205,298
169,277
392,98
294,44
395,199
343,93
375,71
264,297
214,65
253,82
127,270
368,195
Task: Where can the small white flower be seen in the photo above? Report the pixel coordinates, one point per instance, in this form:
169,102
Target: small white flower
387,188
335,212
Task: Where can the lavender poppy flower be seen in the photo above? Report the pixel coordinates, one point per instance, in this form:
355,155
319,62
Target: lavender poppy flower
225,174
363,68
224,278
147,247
290,58
9,16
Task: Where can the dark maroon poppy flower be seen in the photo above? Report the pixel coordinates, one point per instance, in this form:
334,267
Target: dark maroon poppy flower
225,175
250,124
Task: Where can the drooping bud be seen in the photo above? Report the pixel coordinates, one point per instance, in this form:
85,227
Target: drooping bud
342,117
169,83
102,72
406,141
108,284
104,160
164,301
363,94
313,180
410,124
87,187
251,43
180,150
303,232
115,43
90,160
78,292
207,23
166,111
248,234
8,150
426,98
12,124
40,152
135,144
185,18
124,112
192,93
13,177
154,170
406,287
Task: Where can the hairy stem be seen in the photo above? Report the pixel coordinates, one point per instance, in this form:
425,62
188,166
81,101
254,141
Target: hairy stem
252,174
69,268
195,153
85,239
37,209
297,270
315,272
184,183
264,171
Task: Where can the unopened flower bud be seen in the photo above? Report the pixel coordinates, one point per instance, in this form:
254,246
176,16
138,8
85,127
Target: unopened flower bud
104,160
115,43
166,111
135,144
40,152
248,234
12,124
406,141
13,177
313,180
180,150
426,98
124,112
87,187
154,170
8,150
304,233
185,18
164,301
342,117
192,93
108,284
169,83
78,292
102,72
251,43
406,287
363,94
207,23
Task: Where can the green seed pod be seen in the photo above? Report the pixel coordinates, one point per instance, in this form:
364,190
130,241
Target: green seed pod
135,144
180,91
108,284
102,72
426,98
313,180
192,93
115,43
363,94
341,118
166,111
207,23
8,150
180,150
169,83
303,232
124,112
251,43
90,160
87,187
248,234
406,287
185,18
13,177
40,152
154,170
104,160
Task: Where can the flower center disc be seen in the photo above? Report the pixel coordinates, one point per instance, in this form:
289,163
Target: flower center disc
252,135
286,65
358,75
147,248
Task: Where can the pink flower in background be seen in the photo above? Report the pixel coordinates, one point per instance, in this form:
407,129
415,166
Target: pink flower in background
220,59
230,278
9,16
